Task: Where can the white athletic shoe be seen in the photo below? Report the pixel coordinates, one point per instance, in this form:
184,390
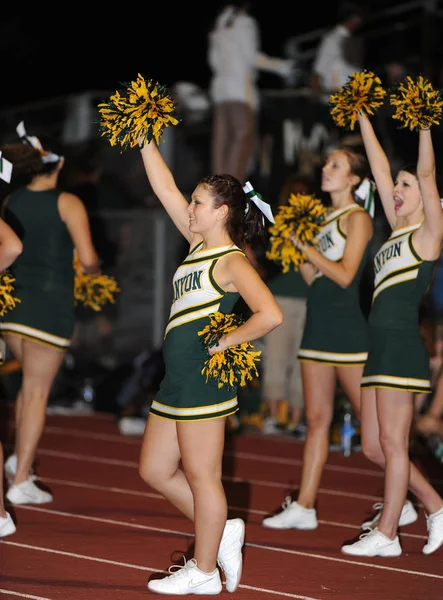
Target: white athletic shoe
230,556
11,468
373,543
7,526
434,524
187,579
28,493
293,516
408,515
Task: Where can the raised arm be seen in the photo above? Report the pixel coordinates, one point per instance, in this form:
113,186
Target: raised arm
10,246
430,236
359,232
380,167
165,188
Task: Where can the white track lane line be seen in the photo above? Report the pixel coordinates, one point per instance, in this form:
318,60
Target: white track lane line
134,465
138,567
116,438
251,545
21,595
123,491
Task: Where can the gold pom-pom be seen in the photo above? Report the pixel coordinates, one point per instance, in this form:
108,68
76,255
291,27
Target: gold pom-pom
362,93
93,291
417,104
7,300
138,116
301,219
236,365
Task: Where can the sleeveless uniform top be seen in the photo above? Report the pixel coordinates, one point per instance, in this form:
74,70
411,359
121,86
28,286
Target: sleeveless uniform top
398,358
401,281
44,272
336,328
184,393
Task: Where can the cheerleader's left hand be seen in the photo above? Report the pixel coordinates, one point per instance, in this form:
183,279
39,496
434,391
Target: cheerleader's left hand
220,347
300,245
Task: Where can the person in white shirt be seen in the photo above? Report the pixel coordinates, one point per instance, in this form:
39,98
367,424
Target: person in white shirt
339,54
235,59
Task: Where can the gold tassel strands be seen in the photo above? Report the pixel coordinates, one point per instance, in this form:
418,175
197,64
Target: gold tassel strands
417,105
93,291
7,300
301,219
236,365
138,116
362,93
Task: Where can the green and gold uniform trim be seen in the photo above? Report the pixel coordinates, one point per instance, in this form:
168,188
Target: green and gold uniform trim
35,335
333,358
407,384
408,272
200,310
198,413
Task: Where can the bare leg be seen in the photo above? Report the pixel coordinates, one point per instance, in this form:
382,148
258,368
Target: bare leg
395,410
370,432
203,470
40,365
164,443
350,379
319,387
159,464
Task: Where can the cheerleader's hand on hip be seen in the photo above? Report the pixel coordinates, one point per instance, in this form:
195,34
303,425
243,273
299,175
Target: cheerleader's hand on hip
220,347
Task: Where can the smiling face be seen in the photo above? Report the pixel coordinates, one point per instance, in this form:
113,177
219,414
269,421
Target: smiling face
406,195
337,176
203,217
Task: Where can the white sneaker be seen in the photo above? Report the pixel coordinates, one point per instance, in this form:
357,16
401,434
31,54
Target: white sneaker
270,427
230,556
434,524
373,543
7,526
408,515
11,468
293,516
27,493
187,579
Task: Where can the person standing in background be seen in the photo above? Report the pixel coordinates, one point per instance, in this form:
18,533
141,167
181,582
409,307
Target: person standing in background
10,248
235,59
340,52
51,223
282,380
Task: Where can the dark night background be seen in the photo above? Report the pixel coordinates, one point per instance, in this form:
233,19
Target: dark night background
49,53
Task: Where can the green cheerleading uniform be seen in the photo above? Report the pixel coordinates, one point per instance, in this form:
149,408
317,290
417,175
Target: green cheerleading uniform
336,330
44,273
398,358
184,393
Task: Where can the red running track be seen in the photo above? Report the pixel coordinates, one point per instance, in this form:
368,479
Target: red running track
106,532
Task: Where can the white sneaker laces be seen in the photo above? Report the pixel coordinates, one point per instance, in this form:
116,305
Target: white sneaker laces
364,536
286,503
180,570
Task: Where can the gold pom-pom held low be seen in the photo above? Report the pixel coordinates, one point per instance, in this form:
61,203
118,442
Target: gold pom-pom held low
93,291
139,116
362,93
235,366
7,300
301,219
417,105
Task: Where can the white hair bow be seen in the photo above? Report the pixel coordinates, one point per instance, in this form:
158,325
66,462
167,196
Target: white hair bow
5,169
32,140
366,193
253,196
